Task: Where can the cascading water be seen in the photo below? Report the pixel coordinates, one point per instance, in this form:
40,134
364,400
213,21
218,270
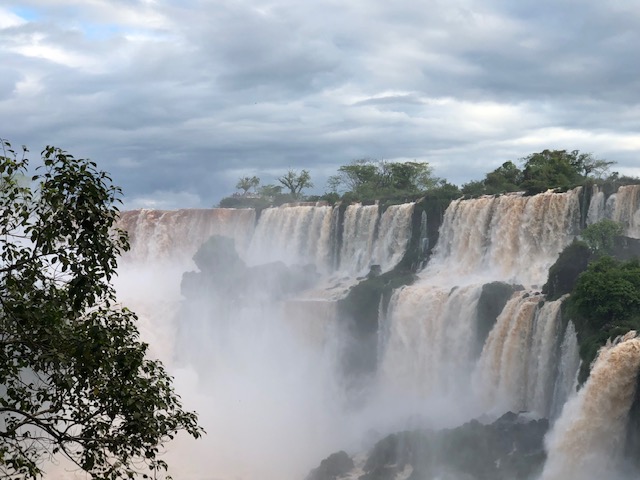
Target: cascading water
516,370
509,238
428,339
588,437
622,206
430,327
502,376
266,367
307,235
568,367
358,237
250,362
298,234
626,209
597,206
393,236
158,235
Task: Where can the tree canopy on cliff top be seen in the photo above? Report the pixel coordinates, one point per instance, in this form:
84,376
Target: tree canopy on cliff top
74,377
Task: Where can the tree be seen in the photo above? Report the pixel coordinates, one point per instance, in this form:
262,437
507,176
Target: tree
357,177
505,178
296,182
270,190
407,177
551,169
474,188
587,164
366,179
600,236
74,377
609,291
247,183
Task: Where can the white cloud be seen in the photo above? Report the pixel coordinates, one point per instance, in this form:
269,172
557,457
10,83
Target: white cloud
9,19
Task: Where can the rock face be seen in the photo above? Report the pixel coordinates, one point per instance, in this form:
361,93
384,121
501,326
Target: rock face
335,465
223,272
511,448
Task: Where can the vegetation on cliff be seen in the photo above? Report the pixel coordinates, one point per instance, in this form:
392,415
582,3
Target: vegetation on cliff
602,275
605,303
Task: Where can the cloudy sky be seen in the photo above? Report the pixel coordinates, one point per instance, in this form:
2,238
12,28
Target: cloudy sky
180,98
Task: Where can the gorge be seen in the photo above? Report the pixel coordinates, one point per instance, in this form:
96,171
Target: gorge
323,328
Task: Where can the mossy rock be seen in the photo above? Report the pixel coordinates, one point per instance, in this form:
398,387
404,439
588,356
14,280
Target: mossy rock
564,273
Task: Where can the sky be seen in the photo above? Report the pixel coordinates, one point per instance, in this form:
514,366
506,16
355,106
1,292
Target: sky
178,99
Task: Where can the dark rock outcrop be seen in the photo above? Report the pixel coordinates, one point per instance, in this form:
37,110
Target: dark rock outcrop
510,448
332,467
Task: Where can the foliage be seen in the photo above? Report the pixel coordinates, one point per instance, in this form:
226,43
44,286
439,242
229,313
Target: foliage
242,201
551,169
270,190
74,379
407,177
604,304
247,183
608,291
296,182
505,178
600,236
474,188
361,177
266,196
588,165
366,179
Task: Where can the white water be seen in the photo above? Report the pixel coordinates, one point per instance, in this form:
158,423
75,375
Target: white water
294,235
264,375
510,238
175,235
307,235
429,330
586,440
427,340
622,206
358,237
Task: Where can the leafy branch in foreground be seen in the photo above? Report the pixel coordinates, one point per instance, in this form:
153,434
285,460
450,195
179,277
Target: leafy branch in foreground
74,377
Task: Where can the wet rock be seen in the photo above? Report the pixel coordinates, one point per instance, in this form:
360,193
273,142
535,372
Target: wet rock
510,448
332,467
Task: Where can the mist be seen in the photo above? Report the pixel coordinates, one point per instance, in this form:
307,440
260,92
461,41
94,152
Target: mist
249,317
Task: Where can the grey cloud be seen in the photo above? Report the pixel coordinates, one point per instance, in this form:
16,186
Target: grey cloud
177,105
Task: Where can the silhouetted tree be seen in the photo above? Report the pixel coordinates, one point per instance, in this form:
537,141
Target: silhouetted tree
296,182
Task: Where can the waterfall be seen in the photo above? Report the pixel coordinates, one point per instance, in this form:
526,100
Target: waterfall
256,354
503,366
427,340
541,371
157,235
394,232
567,379
509,237
626,209
596,211
622,206
293,235
429,330
358,238
590,432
